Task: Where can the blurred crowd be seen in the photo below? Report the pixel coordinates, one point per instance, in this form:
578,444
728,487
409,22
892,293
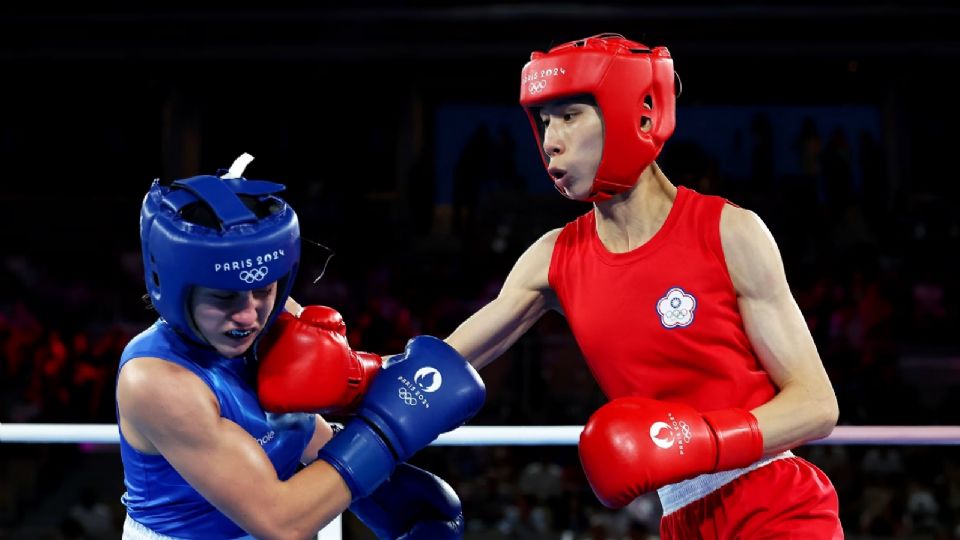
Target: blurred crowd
870,265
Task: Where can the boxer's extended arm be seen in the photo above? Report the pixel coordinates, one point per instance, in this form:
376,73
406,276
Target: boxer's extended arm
524,298
165,408
806,406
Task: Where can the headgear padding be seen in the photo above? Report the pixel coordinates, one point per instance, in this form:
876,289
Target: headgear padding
620,75
241,253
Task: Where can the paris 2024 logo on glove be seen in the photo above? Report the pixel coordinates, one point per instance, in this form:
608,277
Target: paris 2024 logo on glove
665,434
676,308
425,380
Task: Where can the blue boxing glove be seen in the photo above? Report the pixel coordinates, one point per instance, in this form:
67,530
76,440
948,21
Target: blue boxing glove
428,390
412,505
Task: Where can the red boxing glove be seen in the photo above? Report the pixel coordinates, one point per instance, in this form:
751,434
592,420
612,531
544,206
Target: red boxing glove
306,365
634,445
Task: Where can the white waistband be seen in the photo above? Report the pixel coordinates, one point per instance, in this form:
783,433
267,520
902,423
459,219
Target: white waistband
134,530
675,496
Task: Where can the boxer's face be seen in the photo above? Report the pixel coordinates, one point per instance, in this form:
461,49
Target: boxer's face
231,320
573,144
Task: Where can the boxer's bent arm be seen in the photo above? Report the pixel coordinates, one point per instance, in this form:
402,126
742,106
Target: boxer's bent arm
524,298
179,416
806,406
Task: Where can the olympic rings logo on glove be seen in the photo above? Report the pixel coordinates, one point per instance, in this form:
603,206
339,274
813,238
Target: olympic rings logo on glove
256,274
407,397
665,434
537,87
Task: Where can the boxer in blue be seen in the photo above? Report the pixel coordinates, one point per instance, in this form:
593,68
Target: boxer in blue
201,457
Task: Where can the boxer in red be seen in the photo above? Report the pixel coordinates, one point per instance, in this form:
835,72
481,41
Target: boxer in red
680,305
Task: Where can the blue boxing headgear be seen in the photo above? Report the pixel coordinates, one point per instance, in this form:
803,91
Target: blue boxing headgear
241,253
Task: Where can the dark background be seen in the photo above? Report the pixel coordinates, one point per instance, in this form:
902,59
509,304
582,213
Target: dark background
396,128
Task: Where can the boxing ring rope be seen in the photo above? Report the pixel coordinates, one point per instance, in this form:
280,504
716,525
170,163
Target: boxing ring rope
492,436
502,435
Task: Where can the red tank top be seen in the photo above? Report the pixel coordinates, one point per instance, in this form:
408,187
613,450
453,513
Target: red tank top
660,321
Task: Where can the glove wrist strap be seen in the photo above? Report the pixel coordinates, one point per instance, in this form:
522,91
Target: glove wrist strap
738,436
360,456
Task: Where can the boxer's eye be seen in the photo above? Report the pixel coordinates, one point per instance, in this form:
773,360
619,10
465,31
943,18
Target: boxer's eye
261,293
220,297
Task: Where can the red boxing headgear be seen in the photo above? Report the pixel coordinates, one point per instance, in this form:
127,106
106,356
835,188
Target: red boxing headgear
621,75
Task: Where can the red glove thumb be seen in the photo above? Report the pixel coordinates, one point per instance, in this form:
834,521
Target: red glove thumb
324,317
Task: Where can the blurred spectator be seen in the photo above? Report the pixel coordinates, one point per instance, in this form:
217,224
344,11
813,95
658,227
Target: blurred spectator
873,284
93,516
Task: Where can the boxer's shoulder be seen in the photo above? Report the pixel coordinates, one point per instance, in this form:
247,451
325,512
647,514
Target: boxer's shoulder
153,388
548,240
532,268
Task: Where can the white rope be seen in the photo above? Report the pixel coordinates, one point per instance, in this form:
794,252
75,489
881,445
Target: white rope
492,436
501,435
59,433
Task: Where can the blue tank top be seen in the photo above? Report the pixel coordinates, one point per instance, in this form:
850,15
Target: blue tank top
157,496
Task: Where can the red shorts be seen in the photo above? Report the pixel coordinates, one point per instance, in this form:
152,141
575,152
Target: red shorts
786,499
